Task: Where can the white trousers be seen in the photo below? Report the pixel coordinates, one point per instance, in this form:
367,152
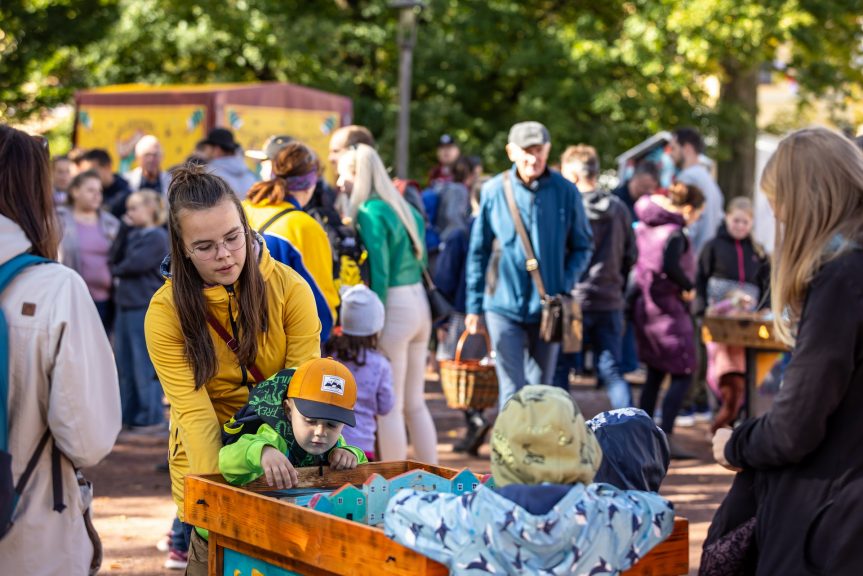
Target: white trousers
404,340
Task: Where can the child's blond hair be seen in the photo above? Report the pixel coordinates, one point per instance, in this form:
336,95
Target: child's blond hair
154,200
741,203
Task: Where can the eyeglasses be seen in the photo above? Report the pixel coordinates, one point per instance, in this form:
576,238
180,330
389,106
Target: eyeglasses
209,250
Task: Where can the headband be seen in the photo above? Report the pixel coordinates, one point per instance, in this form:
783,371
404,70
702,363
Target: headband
301,182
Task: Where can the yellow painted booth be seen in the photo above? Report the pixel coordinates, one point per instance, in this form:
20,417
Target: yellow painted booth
115,117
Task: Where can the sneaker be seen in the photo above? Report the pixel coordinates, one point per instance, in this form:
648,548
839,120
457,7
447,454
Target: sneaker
177,560
164,545
705,415
686,419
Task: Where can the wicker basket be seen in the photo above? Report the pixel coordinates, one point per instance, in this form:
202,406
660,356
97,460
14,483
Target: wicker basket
469,383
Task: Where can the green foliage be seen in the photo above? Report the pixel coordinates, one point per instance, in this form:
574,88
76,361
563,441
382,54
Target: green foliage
608,73
40,41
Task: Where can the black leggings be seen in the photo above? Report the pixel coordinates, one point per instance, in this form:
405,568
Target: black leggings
673,398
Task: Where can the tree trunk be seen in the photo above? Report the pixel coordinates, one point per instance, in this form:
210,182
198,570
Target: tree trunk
738,130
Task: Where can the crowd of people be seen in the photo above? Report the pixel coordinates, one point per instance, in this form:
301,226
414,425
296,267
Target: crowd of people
220,292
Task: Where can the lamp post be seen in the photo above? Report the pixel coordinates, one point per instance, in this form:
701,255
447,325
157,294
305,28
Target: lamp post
407,37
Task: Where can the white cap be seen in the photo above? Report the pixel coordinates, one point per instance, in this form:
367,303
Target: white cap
362,312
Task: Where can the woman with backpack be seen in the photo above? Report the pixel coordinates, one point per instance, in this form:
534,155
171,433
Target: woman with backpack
276,206
393,234
227,317
63,399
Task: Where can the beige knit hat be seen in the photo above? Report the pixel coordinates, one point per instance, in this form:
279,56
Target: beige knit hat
541,436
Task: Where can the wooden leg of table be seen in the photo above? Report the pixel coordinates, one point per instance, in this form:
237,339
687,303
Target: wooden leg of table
215,558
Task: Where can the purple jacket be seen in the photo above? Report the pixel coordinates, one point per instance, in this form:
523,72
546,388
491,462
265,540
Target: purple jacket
374,398
663,326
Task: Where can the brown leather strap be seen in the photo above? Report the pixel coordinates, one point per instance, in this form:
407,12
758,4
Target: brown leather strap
531,264
234,346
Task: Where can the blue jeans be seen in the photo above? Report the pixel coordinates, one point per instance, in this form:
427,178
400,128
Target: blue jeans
140,391
521,357
603,331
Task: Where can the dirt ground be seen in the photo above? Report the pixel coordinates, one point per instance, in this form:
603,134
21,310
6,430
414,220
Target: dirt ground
133,508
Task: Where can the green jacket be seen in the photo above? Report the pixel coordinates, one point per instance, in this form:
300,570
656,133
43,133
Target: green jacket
392,261
240,462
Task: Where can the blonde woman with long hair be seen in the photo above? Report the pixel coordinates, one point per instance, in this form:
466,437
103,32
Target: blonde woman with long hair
801,461
392,232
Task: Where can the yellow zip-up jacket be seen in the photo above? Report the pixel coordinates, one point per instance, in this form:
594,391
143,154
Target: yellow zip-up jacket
306,235
197,416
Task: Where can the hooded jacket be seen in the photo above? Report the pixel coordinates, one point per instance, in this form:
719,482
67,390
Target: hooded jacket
240,461
537,529
233,170
614,253
663,326
553,214
62,377
197,415
635,451
306,235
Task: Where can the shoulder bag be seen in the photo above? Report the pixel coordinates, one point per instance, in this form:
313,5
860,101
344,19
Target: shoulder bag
561,314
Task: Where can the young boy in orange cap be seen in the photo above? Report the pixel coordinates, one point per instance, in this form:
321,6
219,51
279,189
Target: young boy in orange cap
293,419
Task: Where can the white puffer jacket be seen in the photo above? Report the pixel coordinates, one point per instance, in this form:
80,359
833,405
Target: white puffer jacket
62,376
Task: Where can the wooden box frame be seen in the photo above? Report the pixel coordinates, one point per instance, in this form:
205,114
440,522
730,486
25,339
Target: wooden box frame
311,543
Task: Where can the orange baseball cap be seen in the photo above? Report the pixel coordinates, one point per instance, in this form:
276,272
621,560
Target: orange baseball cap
324,389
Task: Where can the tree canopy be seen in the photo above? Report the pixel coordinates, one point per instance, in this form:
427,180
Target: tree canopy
608,73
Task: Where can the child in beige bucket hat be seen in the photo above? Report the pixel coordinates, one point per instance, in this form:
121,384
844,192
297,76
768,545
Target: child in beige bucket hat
544,516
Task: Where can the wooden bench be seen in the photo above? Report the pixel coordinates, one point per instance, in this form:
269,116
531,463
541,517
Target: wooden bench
250,531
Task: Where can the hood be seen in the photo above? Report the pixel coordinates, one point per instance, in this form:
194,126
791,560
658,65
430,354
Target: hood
635,450
597,204
544,539
13,241
652,214
263,257
266,399
231,165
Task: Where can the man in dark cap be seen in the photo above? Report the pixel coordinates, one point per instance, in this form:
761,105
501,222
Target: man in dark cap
221,149
448,152
553,214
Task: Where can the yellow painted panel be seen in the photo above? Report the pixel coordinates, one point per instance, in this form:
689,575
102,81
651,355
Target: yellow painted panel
252,125
116,128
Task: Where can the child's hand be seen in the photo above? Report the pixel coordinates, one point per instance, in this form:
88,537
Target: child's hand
278,469
342,459
688,295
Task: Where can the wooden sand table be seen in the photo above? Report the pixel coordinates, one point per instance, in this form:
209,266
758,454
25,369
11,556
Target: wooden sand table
252,534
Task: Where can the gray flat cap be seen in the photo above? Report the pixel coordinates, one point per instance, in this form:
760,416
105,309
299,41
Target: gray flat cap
527,134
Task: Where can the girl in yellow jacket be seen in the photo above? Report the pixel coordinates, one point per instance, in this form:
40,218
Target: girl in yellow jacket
276,207
222,285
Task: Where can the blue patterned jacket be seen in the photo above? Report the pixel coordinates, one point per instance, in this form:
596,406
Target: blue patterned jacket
542,529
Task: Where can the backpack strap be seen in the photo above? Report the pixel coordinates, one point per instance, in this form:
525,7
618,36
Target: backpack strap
233,345
273,220
8,271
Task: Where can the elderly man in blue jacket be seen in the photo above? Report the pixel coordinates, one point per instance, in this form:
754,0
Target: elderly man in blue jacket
501,288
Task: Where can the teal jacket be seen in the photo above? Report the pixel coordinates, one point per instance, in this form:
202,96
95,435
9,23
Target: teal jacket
553,214
392,261
240,462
